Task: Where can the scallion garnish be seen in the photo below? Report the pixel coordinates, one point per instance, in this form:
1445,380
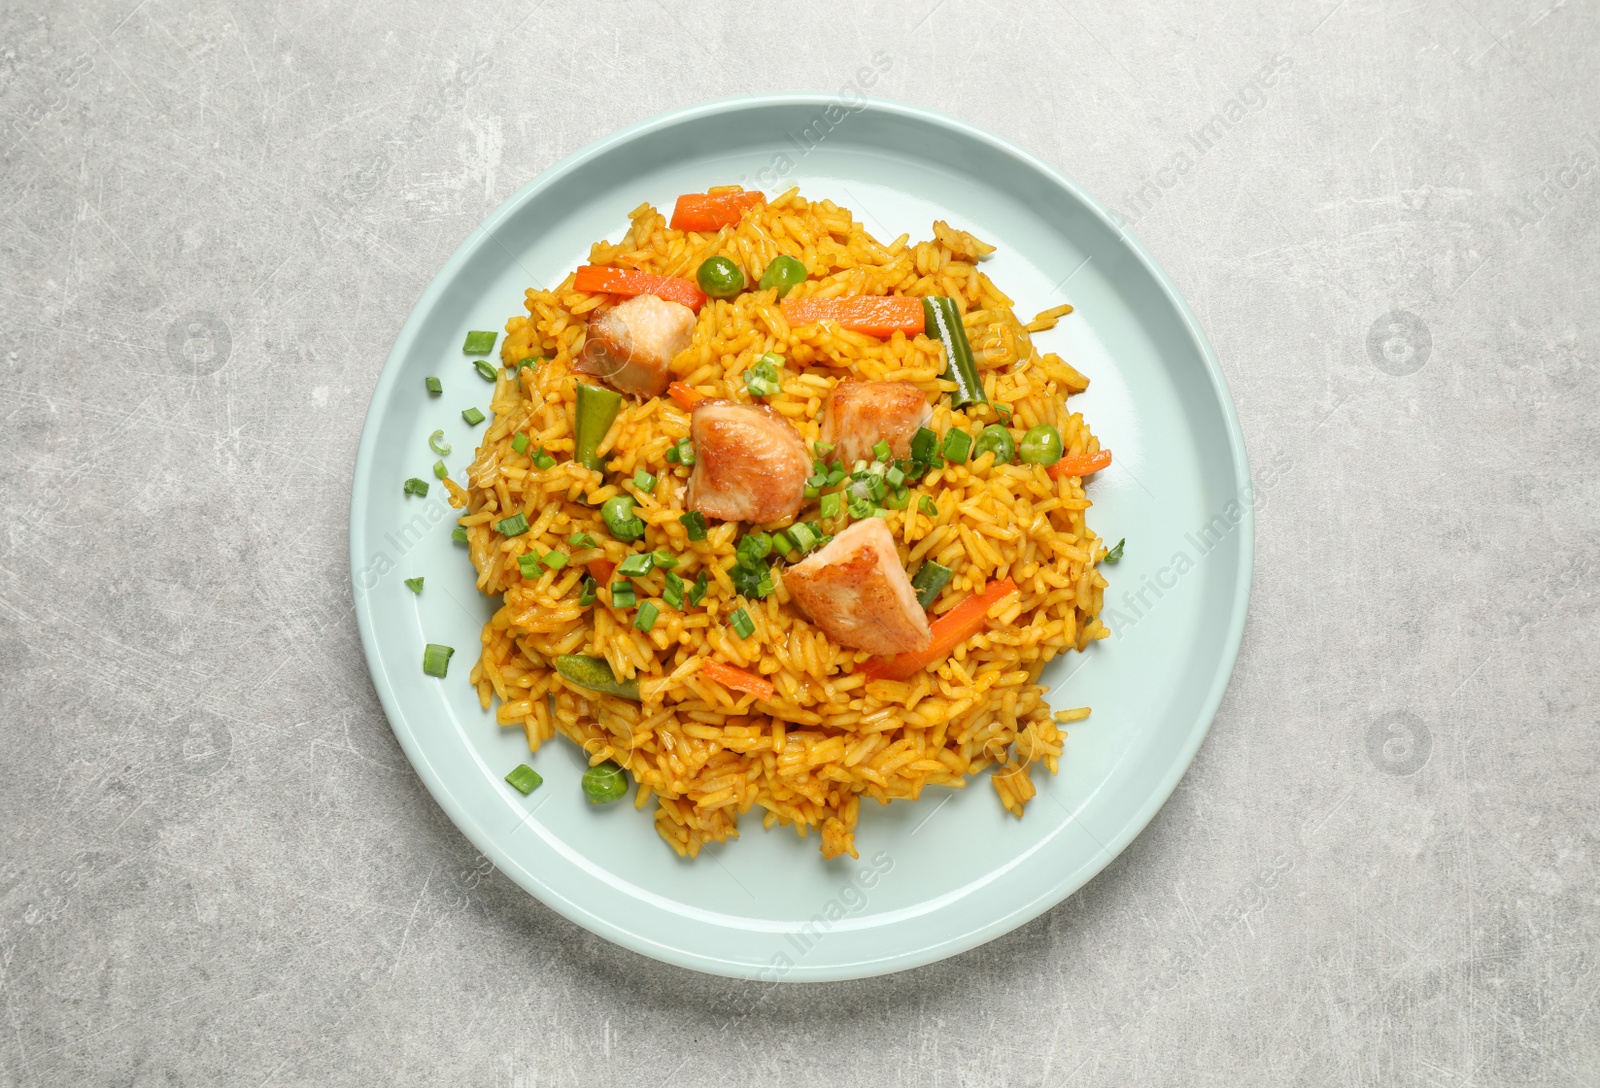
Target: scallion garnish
928,506
435,386
898,499
622,594
542,459
524,779
665,560
582,540
929,580
529,564
646,618
441,470
860,508
555,560
957,445
697,592
587,595
418,487
479,343
519,442
637,565
472,416
459,535
762,379
515,525
1115,553
485,368
436,659
438,445
835,476
742,623
414,585
822,449
923,444
755,546
812,491
880,449
895,476
829,507
672,592
804,537
644,481
783,543
695,523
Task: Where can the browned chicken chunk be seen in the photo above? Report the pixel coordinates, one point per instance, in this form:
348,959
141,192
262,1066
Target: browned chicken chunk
631,345
750,463
855,589
859,414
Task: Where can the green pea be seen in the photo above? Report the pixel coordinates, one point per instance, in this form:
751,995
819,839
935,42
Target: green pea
1041,445
784,273
604,783
720,277
618,515
997,440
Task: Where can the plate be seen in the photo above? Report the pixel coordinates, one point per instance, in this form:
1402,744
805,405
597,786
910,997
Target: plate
952,870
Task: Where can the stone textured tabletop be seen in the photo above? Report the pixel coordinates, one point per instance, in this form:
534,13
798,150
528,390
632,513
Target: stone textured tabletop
218,867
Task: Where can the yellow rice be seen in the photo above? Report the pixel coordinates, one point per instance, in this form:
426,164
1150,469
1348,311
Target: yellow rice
706,755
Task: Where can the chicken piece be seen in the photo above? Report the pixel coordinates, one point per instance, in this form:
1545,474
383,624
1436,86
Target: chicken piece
631,345
855,589
859,414
750,463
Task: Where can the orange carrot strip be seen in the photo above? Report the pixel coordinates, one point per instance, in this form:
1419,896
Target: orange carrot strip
601,570
685,396
703,212
949,631
738,679
875,315
593,279
1083,465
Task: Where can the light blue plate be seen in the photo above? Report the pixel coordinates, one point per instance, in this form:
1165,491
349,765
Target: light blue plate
953,870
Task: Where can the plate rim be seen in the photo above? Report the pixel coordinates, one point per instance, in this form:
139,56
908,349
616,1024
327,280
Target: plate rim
990,929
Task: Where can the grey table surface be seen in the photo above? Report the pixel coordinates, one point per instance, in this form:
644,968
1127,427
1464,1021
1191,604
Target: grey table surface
218,866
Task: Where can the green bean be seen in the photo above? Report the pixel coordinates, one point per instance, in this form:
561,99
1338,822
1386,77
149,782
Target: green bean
596,409
620,520
596,675
941,321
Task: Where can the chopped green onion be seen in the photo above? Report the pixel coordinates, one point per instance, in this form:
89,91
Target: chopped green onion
1115,553
876,487
957,446
646,618
435,386
414,585
831,502
531,362
665,560
485,368
930,579
637,565
479,343
1005,412
782,543
880,449
415,486
617,513
822,449
644,481
519,442
582,540
763,379
752,578
812,492
672,592
542,459
860,508
755,546
923,444
622,594
899,499
819,480
742,623
895,476
835,477
436,659
438,445
672,455
804,537
441,470
459,535
529,563
472,416
697,592
524,779
587,594
555,560
928,506
695,522
515,525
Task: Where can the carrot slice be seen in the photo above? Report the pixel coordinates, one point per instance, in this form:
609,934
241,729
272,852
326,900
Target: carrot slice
875,315
1082,465
593,279
949,631
685,396
738,679
601,570
703,212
